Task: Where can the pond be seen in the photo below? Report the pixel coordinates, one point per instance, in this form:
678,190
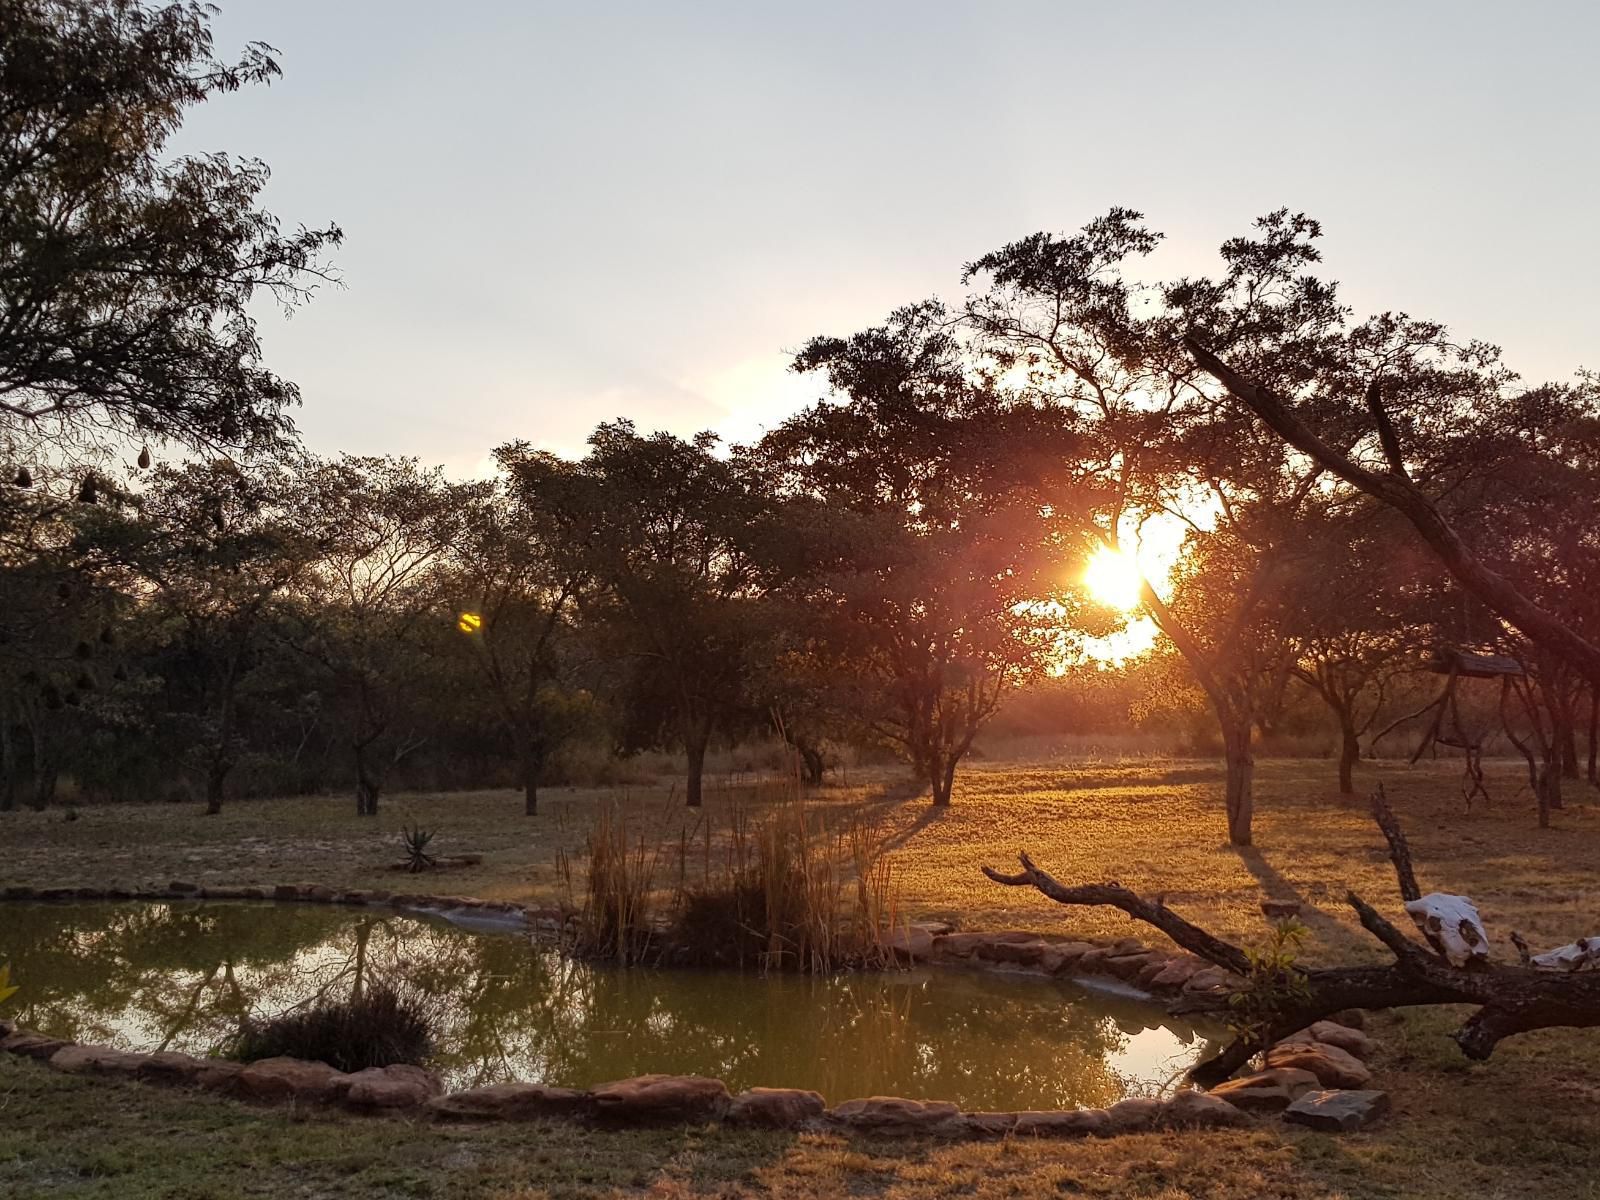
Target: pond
183,976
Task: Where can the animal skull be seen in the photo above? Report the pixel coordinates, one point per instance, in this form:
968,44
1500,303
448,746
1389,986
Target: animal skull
1452,927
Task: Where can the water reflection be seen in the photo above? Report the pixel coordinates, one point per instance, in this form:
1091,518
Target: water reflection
184,977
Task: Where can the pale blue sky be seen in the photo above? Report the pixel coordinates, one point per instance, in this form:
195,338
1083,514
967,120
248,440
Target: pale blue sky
563,213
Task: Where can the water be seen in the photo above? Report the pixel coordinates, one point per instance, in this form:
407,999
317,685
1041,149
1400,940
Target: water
183,976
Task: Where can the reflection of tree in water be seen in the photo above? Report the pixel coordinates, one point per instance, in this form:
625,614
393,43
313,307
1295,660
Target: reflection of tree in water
185,976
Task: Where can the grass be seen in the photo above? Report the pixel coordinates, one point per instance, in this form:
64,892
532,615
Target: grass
1525,1124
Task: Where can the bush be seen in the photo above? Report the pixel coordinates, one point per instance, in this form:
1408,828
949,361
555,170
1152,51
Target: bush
375,1027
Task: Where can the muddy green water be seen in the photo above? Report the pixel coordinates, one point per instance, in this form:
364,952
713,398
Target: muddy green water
183,976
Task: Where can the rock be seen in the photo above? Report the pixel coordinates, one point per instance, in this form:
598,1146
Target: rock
276,1080
1081,1122
1337,1111
1351,1041
989,1124
178,885
894,1115
96,1060
776,1108
218,1075
317,892
1176,973
1278,910
1093,961
1128,967
1333,1067
912,943
1022,954
650,1098
1064,956
34,1045
1147,977
961,945
286,891
1133,1115
1211,979
1198,1110
1272,1090
1350,1018
397,1086
173,1067
511,1102
7,1028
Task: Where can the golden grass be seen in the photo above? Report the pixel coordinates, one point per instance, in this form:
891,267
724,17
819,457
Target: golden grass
1525,1124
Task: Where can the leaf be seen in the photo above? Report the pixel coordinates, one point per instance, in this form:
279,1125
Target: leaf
7,988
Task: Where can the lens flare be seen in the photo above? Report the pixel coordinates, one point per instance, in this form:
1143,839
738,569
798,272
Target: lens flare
469,622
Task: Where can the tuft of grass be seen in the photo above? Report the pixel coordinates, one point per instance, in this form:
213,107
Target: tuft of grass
375,1026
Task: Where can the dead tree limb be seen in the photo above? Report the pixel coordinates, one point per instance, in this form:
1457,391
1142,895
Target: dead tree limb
1559,988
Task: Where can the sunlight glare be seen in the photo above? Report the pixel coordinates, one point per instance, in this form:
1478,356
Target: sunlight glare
1114,579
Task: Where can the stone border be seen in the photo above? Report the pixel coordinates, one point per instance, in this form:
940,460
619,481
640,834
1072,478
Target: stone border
1317,1077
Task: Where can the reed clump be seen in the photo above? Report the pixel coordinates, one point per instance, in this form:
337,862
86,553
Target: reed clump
768,881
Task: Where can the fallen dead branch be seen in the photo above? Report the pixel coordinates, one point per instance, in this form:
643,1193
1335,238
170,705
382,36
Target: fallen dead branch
1558,988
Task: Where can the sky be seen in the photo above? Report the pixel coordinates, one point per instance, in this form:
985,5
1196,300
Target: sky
558,214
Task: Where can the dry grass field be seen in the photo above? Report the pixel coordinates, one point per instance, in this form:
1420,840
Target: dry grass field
1525,1124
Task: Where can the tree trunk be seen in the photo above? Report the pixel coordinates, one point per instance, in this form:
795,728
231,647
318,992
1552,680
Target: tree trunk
812,764
8,766
216,777
532,767
944,781
696,746
1241,770
366,784
1594,736
1349,755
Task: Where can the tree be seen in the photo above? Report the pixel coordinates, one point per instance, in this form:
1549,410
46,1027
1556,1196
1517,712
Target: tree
218,544
366,604
1061,312
663,530
1357,616
127,276
517,601
934,580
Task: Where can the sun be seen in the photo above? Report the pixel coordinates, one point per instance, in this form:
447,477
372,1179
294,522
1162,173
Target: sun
1114,579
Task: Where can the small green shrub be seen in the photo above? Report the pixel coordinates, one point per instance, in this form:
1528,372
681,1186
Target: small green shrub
1274,984
376,1026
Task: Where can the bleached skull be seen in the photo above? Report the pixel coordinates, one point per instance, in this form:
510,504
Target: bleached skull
1452,927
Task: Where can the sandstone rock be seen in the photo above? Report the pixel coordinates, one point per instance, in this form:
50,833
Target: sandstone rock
775,1108
96,1060
276,1080
1022,954
171,1067
1063,957
649,1098
397,1086
989,1124
1128,967
1197,1110
1093,962
218,1075
318,892
892,1114
286,891
34,1045
182,886
1337,1111
1272,1090
1350,1018
1211,979
1333,1067
962,945
1133,1115
1082,1122
511,1102
913,942
1351,1041
1176,973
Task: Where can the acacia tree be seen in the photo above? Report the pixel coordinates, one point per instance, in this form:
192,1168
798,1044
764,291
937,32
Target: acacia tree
934,580
517,600
217,544
1357,616
1061,312
663,529
373,594
125,290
